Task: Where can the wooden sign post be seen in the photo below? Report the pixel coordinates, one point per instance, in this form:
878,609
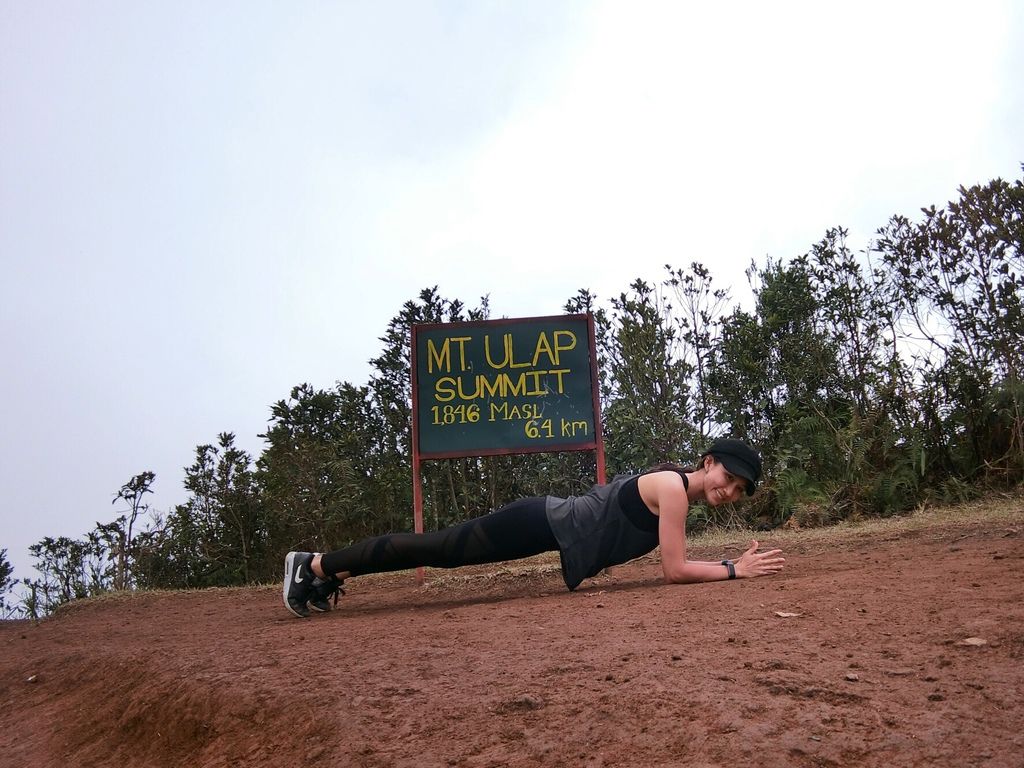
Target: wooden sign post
491,387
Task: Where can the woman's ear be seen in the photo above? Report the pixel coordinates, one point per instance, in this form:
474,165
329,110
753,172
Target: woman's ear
708,462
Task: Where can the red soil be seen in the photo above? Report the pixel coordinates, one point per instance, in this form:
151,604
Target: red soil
503,667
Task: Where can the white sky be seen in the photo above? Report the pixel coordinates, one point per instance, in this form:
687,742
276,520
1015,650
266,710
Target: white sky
205,204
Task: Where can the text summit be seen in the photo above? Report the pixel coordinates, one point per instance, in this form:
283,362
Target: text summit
534,383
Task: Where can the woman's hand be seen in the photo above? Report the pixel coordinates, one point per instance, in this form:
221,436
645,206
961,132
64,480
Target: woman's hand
753,563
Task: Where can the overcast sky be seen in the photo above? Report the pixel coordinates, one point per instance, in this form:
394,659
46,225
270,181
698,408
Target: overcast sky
204,204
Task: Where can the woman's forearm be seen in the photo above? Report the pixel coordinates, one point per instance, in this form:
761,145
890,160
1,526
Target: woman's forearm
695,572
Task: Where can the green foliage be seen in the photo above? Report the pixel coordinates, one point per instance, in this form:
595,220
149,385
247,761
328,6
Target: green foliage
326,467
7,608
644,414
70,569
797,494
106,559
218,536
959,277
119,536
697,320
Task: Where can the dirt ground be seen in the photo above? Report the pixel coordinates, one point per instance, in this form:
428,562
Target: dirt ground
858,654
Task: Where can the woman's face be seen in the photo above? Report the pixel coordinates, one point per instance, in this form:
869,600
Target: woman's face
720,485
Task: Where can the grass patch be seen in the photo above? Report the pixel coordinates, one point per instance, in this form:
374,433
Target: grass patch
997,510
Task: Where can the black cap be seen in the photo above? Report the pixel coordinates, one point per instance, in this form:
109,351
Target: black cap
739,458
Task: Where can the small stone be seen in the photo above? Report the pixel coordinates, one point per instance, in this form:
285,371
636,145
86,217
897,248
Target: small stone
973,641
853,677
526,702
530,702
901,672
32,679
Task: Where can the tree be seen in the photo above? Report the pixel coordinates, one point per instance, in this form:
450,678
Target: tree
853,317
868,421
645,416
452,488
70,569
306,481
119,535
960,275
219,533
6,584
699,322
774,365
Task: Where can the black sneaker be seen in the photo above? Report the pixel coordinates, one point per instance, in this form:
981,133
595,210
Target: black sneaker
298,582
323,591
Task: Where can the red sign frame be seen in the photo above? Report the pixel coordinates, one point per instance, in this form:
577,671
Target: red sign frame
596,444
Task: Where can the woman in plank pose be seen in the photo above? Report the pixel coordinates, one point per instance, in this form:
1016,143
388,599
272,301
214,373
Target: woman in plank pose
609,525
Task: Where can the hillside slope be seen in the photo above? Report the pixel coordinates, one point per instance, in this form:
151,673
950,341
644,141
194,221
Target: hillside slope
855,655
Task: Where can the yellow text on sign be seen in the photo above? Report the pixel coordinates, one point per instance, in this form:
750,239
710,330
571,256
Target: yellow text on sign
503,385
546,428
451,352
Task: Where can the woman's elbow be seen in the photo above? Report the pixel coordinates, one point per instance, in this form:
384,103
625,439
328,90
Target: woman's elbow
676,576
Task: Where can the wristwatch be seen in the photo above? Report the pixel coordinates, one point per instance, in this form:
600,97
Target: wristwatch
731,566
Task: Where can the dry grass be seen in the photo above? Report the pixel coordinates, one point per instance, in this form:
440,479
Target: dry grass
999,509
533,567
66,609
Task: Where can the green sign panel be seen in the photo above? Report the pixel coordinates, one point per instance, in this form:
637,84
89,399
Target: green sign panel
504,386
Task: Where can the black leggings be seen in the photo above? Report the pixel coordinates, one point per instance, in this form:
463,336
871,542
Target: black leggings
519,529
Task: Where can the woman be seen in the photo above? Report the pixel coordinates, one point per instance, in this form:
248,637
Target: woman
610,525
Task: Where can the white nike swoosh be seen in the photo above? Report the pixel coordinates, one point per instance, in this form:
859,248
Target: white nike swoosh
298,575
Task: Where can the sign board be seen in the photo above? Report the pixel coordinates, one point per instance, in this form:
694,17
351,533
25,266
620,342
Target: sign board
505,386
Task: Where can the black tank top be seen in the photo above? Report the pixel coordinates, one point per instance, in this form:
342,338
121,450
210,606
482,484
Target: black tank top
633,505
